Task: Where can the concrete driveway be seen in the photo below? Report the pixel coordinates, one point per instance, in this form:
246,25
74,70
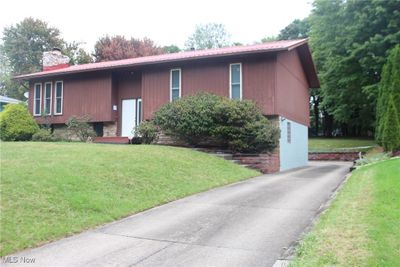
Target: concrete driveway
251,223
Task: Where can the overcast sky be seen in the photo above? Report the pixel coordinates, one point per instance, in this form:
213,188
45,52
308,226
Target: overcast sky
166,22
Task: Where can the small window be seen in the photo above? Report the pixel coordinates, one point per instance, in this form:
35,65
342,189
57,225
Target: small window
235,77
139,111
47,98
58,103
37,99
289,132
175,84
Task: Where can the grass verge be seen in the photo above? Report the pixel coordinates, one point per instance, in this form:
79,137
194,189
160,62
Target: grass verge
339,144
362,226
50,190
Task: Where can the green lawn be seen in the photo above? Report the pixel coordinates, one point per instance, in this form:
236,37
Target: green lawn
362,226
50,190
339,144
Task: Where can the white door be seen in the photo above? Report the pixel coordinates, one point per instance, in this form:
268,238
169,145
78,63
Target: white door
128,117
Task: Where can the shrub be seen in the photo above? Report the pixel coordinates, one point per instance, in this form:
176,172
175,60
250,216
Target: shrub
44,135
148,132
244,128
80,127
190,118
239,125
16,123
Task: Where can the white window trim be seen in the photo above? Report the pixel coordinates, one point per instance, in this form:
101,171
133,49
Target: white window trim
139,111
170,83
40,100
51,98
55,97
230,80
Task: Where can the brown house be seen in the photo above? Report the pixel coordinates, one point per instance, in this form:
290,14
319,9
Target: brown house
117,95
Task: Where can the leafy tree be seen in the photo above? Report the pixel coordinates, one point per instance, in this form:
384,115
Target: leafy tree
118,47
391,128
269,39
22,51
77,54
389,89
206,36
8,87
25,43
146,47
297,29
171,49
350,41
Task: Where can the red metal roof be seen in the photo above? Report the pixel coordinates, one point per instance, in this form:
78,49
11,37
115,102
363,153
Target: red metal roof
275,46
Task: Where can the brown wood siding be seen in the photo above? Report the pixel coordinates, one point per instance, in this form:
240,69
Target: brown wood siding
155,91
213,78
86,94
292,95
258,82
128,86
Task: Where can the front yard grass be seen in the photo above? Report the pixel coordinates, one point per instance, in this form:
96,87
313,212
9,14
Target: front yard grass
321,144
362,226
50,190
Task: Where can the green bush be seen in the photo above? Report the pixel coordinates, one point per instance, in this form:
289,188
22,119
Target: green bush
16,123
239,125
80,127
148,132
242,125
190,118
43,135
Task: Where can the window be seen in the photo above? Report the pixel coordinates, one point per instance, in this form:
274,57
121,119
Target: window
175,84
37,99
58,103
138,111
47,98
289,132
235,81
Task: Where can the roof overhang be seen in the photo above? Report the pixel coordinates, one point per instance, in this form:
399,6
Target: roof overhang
278,46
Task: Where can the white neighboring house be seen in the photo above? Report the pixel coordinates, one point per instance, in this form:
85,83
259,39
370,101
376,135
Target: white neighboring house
4,100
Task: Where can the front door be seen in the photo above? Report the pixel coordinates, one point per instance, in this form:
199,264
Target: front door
131,116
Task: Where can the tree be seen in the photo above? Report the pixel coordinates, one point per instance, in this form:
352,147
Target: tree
77,54
391,128
171,49
206,36
25,43
297,29
7,86
389,89
350,41
146,47
118,47
269,39
22,52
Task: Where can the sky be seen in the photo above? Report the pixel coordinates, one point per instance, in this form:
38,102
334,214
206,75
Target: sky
165,22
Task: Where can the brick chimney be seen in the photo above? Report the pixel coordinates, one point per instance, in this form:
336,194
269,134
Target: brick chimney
54,60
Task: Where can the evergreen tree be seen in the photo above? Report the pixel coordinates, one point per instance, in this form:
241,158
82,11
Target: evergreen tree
389,88
391,128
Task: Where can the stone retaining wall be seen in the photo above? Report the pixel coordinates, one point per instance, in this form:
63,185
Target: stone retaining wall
340,156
